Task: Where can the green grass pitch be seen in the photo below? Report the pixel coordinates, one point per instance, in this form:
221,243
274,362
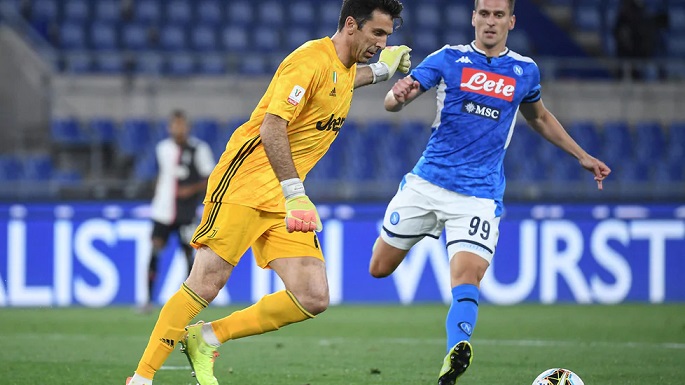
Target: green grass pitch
365,345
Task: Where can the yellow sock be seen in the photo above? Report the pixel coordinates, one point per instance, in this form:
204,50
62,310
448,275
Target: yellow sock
269,313
182,307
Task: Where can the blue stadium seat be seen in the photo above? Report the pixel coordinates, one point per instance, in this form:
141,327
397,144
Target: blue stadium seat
586,134
676,18
206,129
675,149
548,153
239,13
329,13
149,63
253,64
425,42
296,36
389,146
649,141
457,15
302,13
134,37
427,16
669,171
78,63
563,168
11,5
180,64
357,154
38,167
147,11
133,136
629,171
172,38
209,12
518,41
617,143
212,64
587,16
145,168
102,130
417,134
323,31
203,38
178,11
76,11
398,37
235,39
103,37
675,44
11,168
109,63
42,10
68,177
455,37
266,39
271,13
72,36
67,131
107,11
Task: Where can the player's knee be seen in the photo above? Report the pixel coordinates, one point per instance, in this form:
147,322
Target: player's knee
471,274
378,270
314,301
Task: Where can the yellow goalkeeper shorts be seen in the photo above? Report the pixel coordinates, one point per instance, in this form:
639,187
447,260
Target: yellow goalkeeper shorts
229,230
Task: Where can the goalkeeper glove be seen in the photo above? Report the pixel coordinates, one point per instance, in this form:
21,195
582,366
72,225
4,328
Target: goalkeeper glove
392,58
300,212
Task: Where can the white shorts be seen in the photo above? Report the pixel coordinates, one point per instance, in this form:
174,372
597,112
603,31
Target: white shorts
421,209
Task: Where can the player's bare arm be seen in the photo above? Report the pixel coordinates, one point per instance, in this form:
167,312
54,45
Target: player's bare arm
402,93
547,125
277,146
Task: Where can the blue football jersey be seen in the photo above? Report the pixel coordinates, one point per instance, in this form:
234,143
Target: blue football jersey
478,99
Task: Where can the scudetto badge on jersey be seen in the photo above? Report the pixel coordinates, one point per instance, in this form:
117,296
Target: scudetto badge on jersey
296,95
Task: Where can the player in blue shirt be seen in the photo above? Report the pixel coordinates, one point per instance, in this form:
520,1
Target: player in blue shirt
458,183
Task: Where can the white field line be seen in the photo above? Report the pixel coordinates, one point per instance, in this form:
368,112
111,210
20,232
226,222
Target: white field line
187,367
397,341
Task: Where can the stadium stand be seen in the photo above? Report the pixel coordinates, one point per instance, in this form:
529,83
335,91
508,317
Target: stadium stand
184,38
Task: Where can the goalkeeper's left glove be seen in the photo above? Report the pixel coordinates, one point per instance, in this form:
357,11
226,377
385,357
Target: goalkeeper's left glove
300,212
392,58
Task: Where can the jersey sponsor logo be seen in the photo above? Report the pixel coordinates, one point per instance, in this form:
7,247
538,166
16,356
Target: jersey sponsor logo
333,124
464,59
332,93
296,95
488,83
473,108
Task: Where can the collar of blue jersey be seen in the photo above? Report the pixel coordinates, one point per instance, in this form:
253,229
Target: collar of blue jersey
480,51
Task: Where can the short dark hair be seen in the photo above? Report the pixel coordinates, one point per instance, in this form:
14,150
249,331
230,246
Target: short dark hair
178,114
512,4
361,10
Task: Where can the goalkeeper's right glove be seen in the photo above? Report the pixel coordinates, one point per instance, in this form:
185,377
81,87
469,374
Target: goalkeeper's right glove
300,212
392,58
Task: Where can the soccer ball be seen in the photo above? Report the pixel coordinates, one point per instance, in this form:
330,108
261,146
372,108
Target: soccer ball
558,376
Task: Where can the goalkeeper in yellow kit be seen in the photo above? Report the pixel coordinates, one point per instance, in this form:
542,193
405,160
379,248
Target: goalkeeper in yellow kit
255,196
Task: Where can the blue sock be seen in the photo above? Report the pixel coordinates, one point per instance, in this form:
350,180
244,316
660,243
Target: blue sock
461,318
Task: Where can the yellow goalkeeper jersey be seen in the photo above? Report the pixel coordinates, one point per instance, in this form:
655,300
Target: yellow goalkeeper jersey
312,90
